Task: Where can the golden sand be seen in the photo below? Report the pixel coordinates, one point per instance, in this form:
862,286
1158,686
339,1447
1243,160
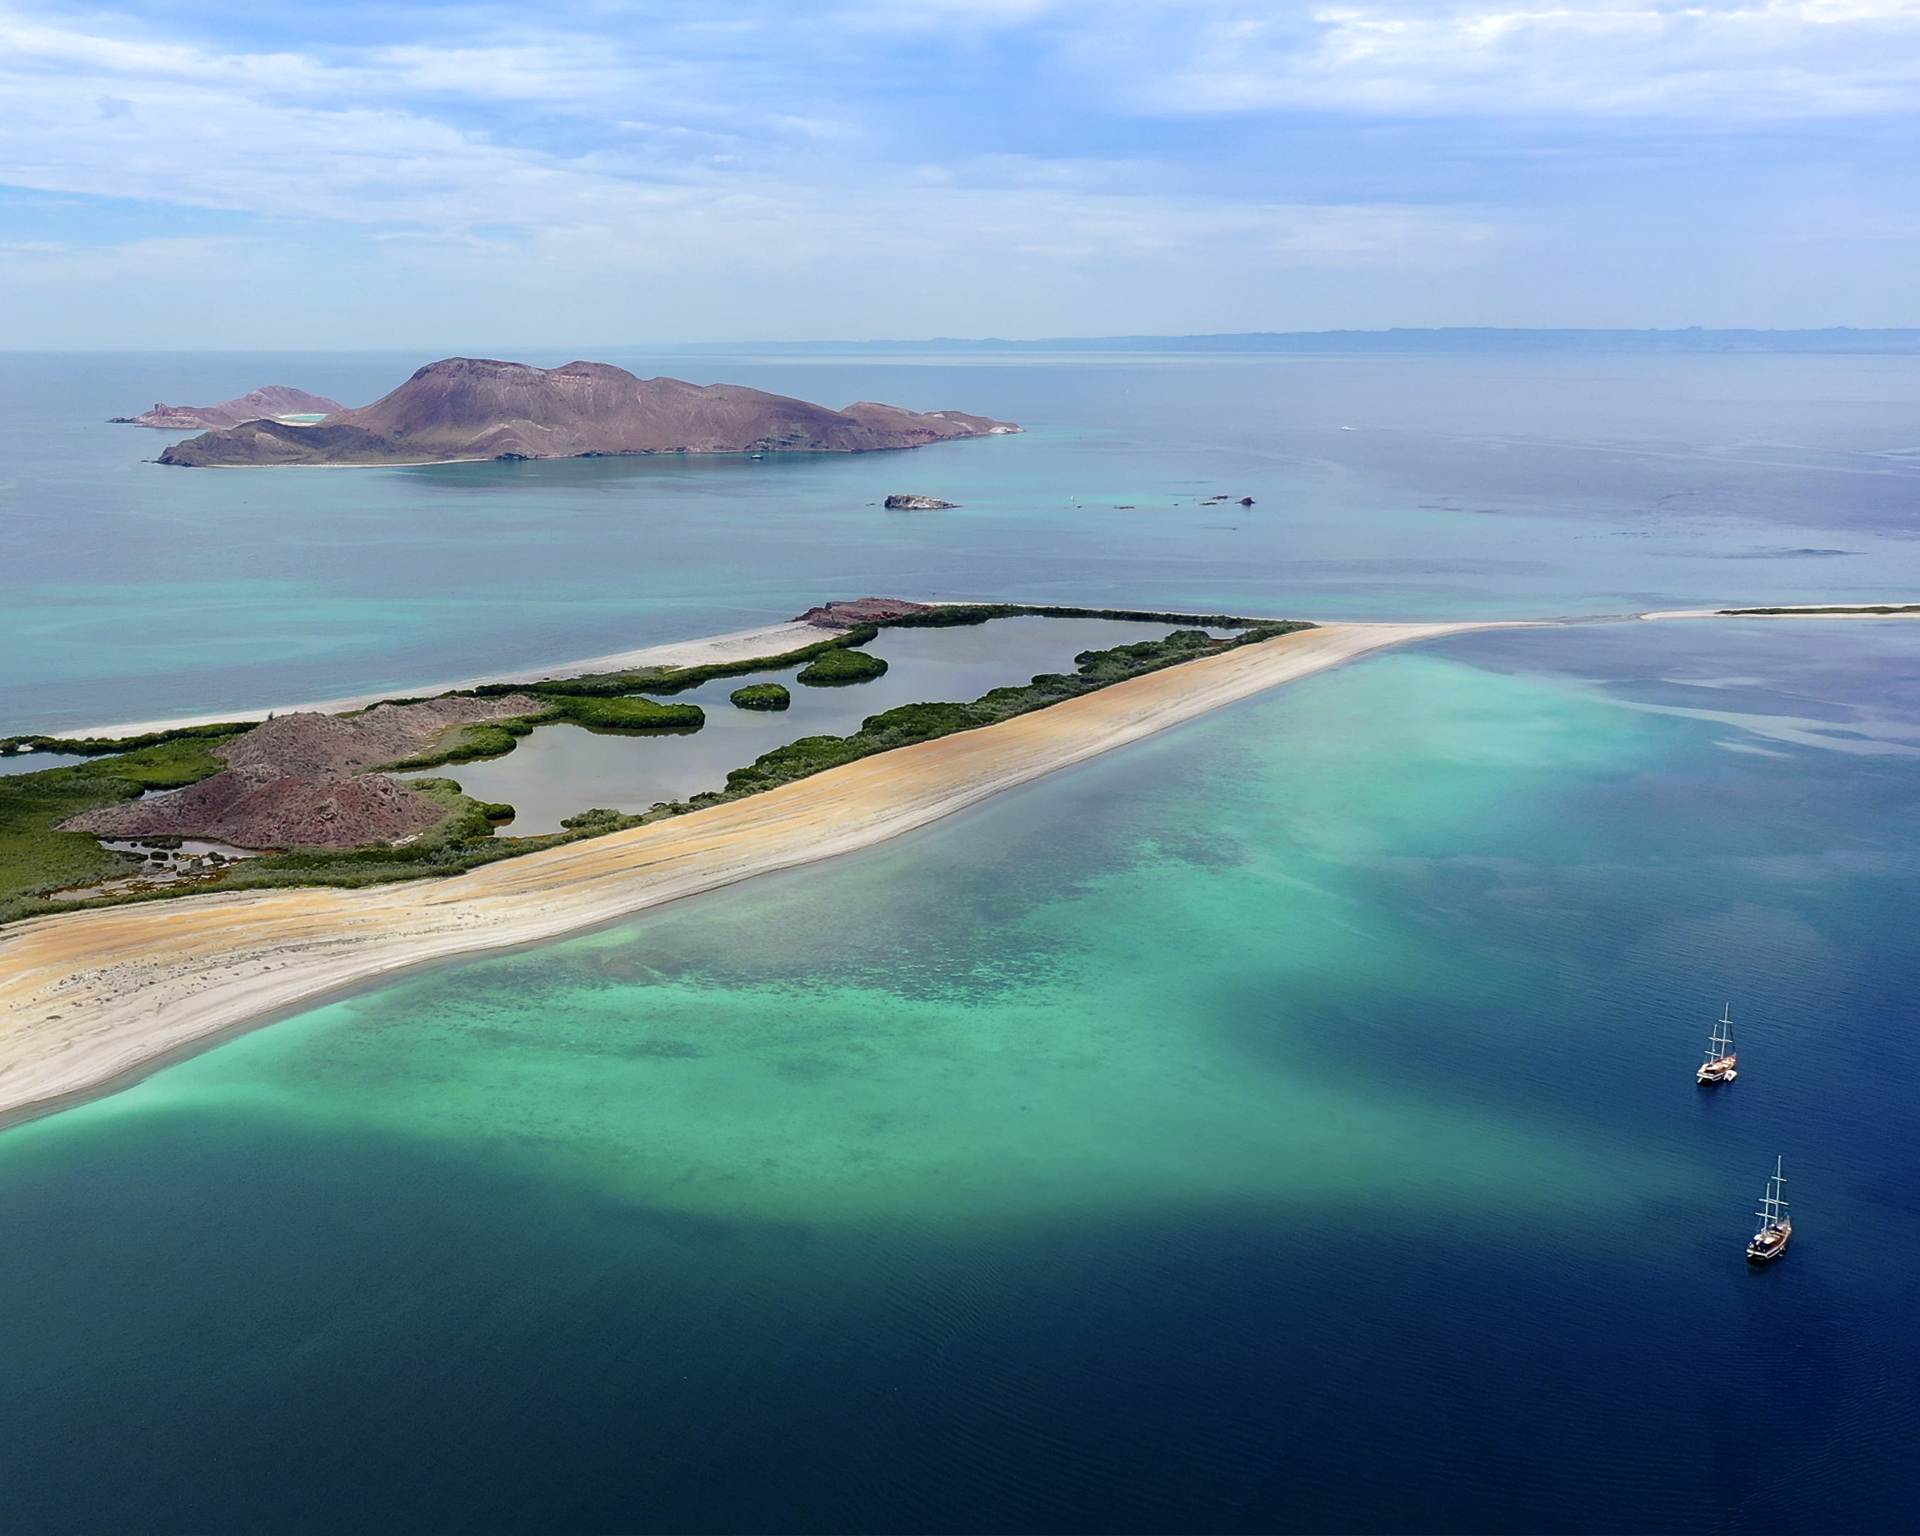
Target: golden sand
91,998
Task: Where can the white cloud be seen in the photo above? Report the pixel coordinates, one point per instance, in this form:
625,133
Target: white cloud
402,133
296,138
803,166
1784,58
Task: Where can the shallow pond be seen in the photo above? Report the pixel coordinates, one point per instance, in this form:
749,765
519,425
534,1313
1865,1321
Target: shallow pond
563,769
34,762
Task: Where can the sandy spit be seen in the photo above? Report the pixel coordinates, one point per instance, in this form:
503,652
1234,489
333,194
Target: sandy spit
739,645
90,999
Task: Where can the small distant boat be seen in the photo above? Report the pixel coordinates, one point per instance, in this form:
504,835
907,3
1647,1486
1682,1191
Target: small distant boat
1771,1240
1722,1064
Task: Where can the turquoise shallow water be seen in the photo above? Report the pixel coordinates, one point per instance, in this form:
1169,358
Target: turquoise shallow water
776,1056
1283,1125
1146,1149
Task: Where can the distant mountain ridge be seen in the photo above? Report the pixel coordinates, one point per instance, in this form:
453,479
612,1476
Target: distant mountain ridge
480,408
1693,339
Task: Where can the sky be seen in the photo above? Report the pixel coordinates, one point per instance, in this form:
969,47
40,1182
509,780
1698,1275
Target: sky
211,174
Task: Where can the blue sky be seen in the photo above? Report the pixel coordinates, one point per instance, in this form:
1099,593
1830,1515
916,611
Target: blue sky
213,174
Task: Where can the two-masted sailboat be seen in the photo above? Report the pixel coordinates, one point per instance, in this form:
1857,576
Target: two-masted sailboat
1721,1065
1775,1230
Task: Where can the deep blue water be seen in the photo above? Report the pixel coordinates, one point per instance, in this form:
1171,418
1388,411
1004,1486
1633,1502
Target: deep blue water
1283,1125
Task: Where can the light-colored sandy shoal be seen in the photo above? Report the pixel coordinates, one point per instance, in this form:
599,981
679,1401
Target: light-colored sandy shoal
89,998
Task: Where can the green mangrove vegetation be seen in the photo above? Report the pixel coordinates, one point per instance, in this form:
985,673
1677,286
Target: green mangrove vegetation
598,820
675,679
493,738
761,696
103,746
831,669
629,714
1735,613
34,858
488,738
912,723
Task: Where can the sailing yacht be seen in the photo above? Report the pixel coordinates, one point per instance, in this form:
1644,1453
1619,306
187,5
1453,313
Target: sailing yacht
1721,1063
1770,1241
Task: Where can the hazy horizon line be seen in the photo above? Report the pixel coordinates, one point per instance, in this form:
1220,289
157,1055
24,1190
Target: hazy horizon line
1891,340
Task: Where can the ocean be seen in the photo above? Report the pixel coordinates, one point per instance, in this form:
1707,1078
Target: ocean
1284,1124
1389,488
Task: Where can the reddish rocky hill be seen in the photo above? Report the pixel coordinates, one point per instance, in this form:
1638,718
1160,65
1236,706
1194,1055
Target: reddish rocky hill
475,408
299,781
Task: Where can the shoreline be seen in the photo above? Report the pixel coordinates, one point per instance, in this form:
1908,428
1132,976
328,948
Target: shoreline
767,639
93,1000
735,645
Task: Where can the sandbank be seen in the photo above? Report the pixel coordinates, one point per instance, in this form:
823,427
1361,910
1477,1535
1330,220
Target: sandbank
1788,611
91,999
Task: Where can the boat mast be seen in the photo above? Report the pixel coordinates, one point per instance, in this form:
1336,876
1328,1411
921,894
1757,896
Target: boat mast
1772,1206
1723,1034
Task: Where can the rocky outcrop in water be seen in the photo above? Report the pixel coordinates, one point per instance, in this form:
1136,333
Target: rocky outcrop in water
270,401
476,408
300,781
917,504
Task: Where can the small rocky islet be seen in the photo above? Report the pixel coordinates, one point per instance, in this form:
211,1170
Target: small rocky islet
900,503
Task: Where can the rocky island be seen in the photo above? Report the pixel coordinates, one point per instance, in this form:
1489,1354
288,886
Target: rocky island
464,408
904,503
271,402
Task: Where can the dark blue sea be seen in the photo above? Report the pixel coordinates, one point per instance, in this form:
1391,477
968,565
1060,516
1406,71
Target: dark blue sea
1283,1125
